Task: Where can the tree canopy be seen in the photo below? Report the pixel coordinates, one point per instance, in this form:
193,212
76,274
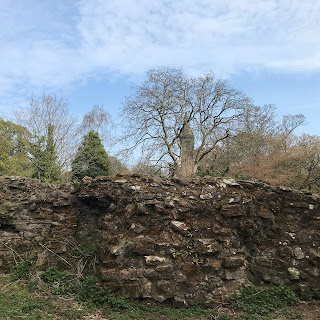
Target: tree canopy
44,158
182,125
159,110
91,159
45,110
14,149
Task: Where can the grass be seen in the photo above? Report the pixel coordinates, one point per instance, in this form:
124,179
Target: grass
17,302
36,299
263,301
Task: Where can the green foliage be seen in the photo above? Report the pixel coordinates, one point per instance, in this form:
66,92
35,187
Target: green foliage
88,250
37,304
224,317
17,301
189,251
56,280
52,275
33,285
21,270
91,292
14,149
263,301
44,158
91,159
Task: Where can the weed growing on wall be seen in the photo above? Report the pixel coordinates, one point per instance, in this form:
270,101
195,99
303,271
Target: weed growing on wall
189,251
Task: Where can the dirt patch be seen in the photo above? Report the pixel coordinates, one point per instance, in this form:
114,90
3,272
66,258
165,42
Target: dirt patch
309,310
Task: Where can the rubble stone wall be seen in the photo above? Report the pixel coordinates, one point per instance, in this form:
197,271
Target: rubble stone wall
182,241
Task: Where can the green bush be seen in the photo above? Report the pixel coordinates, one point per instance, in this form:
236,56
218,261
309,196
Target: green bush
52,275
56,280
92,293
21,270
263,301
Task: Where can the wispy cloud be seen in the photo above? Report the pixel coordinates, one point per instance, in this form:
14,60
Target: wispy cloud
56,44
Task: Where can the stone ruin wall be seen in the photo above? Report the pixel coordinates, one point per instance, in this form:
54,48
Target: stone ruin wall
181,241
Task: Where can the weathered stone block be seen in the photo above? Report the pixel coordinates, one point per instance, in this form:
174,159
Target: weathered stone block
294,273
235,274
155,260
233,262
179,226
314,257
206,246
299,254
213,262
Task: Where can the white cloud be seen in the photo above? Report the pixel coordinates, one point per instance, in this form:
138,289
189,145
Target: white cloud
53,45
227,36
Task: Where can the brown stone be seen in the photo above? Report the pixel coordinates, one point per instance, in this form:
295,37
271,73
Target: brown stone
214,263
166,287
132,289
314,257
234,274
233,262
179,226
155,260
207,246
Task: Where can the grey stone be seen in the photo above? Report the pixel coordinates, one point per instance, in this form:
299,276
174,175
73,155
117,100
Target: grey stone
294,273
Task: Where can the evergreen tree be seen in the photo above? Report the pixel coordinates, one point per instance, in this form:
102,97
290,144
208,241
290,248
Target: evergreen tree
45,157
91,159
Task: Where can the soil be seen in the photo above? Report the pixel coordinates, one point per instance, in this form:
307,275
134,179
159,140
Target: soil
309,310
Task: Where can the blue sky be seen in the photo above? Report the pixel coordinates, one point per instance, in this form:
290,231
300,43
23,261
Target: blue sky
94,51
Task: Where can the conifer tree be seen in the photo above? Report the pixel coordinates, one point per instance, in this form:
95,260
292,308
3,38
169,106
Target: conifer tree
91,160
45,158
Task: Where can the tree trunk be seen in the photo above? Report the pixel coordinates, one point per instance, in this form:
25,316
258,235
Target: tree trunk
187,168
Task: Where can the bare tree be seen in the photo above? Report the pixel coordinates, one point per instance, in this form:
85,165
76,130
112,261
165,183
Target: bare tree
144,168
260,136
170,107
97,120
49,110
305,160
116,166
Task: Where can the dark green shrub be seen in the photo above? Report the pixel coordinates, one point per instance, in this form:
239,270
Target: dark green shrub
263,301
52,275
91,292
56,280
21,270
